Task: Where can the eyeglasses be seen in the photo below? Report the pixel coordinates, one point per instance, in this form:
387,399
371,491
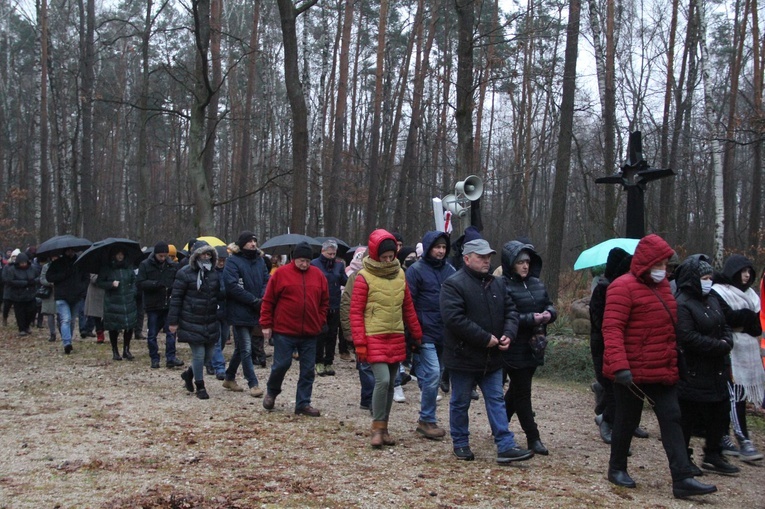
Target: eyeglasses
639,394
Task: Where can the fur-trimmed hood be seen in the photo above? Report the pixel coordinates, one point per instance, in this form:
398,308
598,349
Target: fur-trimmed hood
194,258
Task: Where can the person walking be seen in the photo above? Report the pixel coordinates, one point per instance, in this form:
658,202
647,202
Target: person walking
641,358
118,282
48,304
294,312
245,278
424,278
193,314
521,267
334,270
706,341
94,307
480,322
381,306
70,284
21,279
741,306
156,275
7,302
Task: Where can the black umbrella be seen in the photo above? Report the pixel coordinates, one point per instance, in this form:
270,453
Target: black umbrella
97,255
60,243
342,247
284,244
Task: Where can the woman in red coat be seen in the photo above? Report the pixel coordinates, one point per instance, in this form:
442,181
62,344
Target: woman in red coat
381,306
641,357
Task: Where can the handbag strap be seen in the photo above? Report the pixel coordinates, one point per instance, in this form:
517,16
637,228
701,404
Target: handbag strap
672,318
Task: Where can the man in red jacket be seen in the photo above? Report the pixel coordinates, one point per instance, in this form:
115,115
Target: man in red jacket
641,358
294,311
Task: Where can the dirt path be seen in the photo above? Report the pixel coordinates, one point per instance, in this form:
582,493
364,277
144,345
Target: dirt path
84,431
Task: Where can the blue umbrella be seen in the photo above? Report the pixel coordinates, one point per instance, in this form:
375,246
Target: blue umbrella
598,254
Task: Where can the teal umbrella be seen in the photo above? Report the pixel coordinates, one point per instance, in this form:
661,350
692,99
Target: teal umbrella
598,254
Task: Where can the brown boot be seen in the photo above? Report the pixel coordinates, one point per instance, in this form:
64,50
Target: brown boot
377,433
386,438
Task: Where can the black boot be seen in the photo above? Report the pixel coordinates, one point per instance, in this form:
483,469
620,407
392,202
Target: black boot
188,379
115,350
695,470
126,351
201,392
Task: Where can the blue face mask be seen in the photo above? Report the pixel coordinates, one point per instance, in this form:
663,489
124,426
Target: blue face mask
706,286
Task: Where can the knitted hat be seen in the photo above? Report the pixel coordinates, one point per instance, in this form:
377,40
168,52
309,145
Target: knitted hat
244,238
471,233
302,250
172,250
398,237
704,268
386,245
161,247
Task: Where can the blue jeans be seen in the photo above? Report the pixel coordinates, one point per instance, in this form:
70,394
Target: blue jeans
491,387
242,355
66,315
428,375
283,348
367,380
157,319
218,362
200,352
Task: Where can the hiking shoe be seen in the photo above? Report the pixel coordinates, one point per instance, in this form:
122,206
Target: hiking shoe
23,333
474,395
256,392
268,401
405,378
444,386
328,371
728,447
398,394
154,364
232,386
174,363
68,349
52,338
345,356
464,453
514,454
220,376
320,370
748,452
308,411
717,463
430,430
639,433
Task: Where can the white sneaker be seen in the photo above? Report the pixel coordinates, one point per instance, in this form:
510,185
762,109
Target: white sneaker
398,394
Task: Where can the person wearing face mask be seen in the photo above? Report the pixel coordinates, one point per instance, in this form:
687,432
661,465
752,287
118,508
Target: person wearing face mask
193,314
741,305
706,341
425,278
381,305
641,358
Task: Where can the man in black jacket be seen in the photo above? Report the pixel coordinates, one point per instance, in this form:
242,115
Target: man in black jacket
155,279
480,320
70,285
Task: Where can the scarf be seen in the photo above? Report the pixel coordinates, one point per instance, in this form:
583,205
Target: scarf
746,361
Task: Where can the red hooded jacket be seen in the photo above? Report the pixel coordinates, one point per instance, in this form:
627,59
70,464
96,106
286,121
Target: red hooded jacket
638,331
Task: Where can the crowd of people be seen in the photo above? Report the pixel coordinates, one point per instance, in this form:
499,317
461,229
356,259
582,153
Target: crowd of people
679,336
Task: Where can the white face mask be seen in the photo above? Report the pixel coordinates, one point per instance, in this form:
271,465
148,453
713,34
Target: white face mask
206,265
706,286
658,275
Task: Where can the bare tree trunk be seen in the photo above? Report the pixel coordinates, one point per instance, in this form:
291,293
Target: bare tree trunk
371,219
47,226
667,207
87,56
203,216
563,160
712,138
465,101
245,155
337,169
758,57
144,172
211,123
289,14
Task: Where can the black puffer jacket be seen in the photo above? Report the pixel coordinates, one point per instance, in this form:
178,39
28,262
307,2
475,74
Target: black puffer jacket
155,280
474,307
530,296
618,264
704,337
194,301
69,282
21,282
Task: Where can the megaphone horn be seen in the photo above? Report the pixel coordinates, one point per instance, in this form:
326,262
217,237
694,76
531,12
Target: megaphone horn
471,187
452,205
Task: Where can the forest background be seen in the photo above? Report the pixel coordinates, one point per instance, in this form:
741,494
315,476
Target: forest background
165,119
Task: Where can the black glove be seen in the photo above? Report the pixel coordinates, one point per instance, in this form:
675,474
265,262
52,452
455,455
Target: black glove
623,377
256,305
